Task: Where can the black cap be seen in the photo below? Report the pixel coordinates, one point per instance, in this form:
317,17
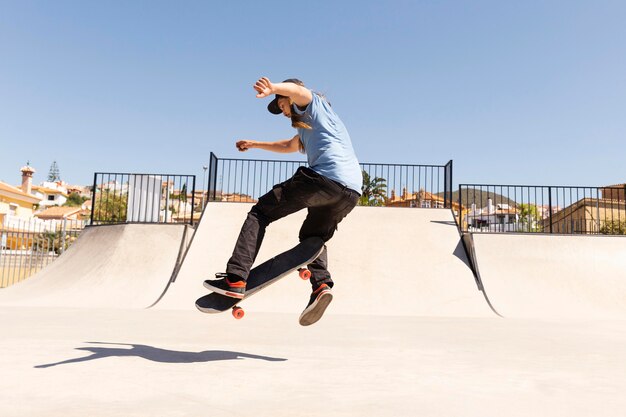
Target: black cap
273,106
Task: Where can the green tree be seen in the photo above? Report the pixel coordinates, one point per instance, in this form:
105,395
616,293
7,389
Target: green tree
54,174
110,207
52,242
613,227
374,191
75,200
529,217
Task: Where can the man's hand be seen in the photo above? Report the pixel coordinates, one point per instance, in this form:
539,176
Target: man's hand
281,146
244,145
264,87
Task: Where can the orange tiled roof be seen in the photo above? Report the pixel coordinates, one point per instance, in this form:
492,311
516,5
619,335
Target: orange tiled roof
14,190
425,195
239,198
58,212
48,190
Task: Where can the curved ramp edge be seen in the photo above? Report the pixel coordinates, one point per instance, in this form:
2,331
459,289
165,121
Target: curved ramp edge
550,276
113,266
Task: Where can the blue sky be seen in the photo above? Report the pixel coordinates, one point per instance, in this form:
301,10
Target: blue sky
530,92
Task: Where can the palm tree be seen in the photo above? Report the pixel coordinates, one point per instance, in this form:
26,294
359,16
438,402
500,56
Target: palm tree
374,192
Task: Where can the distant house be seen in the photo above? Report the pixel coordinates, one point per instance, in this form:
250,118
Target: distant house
420,199
604,214
18,203
50,194
15,203
114,186
238,198
21,224
615,192
80,190
493,218
17,206
61,213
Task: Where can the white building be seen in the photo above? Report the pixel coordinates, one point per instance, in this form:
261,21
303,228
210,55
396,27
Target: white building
50,194
493,218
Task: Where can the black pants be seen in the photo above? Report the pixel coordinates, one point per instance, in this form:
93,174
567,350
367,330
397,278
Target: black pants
327,202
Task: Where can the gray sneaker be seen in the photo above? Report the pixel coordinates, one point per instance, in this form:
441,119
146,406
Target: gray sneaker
320,299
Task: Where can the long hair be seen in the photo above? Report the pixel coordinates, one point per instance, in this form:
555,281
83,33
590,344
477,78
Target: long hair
297,120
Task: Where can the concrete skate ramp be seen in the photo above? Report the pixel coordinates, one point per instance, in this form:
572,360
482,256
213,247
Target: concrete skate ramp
539,276
384,261
117,266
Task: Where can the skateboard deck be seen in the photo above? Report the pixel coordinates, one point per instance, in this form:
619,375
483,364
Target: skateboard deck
265,274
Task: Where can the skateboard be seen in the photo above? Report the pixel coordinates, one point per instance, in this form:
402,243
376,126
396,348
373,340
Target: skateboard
270,271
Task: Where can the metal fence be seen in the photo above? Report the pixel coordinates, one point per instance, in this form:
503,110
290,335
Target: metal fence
542,209
28,246
144,198
245,180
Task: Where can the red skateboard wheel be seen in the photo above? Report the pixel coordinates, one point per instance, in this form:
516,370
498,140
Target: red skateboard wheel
238,313
304,273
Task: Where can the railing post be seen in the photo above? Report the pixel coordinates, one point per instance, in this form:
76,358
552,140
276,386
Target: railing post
63,229
193,198
93,197
550,207
212,186
461,208
447,199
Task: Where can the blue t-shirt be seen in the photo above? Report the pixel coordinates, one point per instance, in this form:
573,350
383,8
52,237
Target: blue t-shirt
328,146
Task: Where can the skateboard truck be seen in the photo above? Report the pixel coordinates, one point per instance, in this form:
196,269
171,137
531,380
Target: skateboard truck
239,312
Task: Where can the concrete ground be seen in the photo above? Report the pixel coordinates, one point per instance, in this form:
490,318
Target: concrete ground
68,362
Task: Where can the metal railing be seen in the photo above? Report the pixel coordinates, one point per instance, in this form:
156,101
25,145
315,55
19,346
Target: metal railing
27,246
245,180
144,198
542,209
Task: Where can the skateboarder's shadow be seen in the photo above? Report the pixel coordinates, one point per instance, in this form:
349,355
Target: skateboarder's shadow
158,355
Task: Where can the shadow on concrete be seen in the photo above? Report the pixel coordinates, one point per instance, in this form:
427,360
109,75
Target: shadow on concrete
158,355
445,223
460,253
